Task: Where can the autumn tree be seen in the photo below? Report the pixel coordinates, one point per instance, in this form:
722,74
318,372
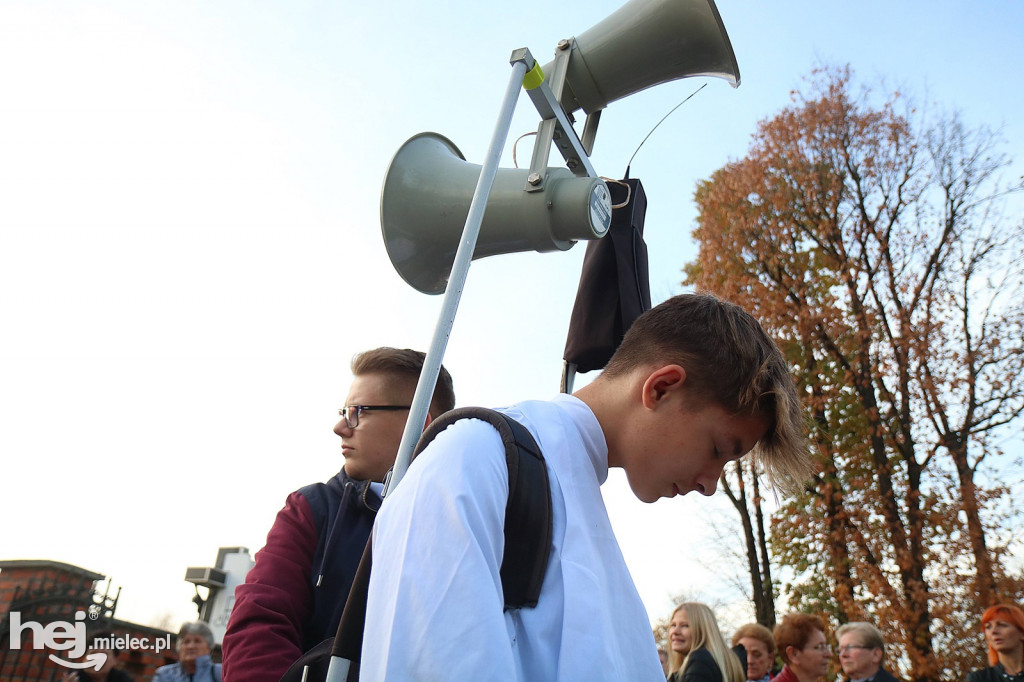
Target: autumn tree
879,247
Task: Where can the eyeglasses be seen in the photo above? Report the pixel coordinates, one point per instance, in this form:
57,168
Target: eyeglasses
821,648
849,647
350,413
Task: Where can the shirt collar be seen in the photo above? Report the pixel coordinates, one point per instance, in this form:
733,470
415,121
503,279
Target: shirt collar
590,432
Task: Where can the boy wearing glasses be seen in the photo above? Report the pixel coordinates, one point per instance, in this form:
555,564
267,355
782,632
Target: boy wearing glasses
696,383
295,593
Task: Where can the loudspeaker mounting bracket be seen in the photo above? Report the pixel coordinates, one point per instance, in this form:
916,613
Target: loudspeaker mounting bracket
555,127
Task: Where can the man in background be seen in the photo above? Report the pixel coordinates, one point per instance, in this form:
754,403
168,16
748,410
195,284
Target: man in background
861,652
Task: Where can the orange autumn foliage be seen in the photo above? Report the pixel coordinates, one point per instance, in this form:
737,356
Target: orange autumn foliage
882,250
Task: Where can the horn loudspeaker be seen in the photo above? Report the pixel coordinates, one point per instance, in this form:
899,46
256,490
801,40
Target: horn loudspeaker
426,196
642,44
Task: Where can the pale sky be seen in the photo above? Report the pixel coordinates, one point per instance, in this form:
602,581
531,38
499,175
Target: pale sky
190,247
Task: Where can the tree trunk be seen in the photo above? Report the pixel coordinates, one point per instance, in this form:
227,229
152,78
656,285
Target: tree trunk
761,589
985,581
765,603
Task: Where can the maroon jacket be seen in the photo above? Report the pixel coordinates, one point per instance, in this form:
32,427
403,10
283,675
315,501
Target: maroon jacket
293,596
785,676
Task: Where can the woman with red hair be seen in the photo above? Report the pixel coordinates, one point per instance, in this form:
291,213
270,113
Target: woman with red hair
800,639
1004,631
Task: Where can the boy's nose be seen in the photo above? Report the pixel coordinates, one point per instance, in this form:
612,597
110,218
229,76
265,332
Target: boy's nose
707,482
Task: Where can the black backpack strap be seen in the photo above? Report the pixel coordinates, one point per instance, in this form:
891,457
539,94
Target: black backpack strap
528,524
528,529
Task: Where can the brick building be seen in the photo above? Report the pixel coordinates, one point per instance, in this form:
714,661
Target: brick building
47,592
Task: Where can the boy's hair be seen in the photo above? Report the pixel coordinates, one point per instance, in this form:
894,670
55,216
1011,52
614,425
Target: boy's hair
869,635
405,365
1008,613
758,632
731,361
795,631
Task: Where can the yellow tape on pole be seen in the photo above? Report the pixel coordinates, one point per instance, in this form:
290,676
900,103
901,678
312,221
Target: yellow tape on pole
533,78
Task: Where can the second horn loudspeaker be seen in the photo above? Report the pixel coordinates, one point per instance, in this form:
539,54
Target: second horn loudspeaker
642,44
427,192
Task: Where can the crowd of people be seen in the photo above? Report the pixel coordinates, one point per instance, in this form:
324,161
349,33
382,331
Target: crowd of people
695,384
798,650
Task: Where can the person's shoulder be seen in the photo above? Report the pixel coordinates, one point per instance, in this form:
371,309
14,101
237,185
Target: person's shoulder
320,497
982,675
335,482
701,665
468,456
466,436
785,675
884,675
165,673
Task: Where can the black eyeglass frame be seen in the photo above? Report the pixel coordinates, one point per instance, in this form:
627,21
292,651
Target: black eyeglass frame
844,649
344,411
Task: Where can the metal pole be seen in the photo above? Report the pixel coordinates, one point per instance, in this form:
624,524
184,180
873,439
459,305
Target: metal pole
457,280
338,669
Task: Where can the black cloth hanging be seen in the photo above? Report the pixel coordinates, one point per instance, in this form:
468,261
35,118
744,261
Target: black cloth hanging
615,284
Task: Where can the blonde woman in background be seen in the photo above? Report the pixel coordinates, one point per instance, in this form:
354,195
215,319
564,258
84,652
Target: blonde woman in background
697,650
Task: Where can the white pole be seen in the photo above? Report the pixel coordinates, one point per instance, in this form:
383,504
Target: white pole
457,280
338,669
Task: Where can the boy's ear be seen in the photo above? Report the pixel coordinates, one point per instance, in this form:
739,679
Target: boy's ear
662,382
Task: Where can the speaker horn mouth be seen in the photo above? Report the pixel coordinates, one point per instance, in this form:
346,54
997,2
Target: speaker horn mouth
420,261
642,44
425,202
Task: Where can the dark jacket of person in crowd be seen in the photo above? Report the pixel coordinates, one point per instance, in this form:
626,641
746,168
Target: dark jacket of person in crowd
700,667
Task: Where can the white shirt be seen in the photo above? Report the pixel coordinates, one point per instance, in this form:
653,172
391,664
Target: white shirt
435,599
